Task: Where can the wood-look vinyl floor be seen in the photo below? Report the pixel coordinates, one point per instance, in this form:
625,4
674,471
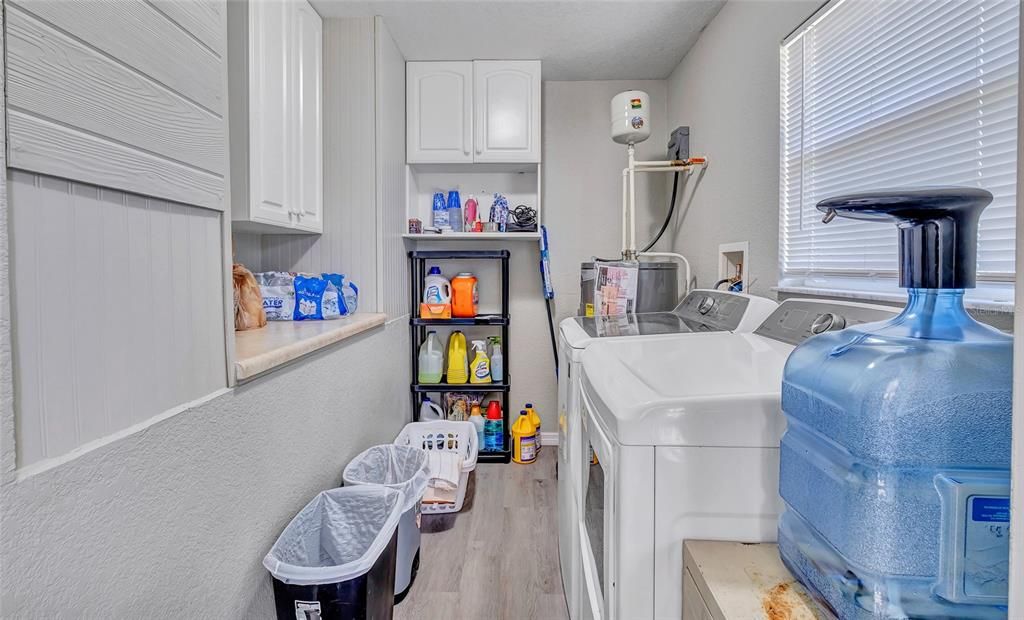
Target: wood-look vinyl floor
497,558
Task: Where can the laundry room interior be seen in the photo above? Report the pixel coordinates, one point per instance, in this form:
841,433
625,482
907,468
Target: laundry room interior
545,309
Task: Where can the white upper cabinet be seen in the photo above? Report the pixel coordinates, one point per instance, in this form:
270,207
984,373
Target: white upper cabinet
309,195
507,117
439,105
275,56
479,111
269,110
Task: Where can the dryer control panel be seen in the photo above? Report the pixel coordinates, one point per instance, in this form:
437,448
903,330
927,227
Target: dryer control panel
796,320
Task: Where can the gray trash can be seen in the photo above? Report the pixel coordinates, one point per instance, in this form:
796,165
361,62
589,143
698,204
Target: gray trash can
403,468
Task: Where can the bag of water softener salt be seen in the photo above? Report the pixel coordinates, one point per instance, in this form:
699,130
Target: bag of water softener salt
315,299
348,293
278,291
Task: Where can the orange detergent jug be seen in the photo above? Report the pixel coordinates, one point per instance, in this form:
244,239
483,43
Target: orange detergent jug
464,295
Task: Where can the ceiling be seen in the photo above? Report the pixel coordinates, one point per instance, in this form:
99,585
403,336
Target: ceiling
576,39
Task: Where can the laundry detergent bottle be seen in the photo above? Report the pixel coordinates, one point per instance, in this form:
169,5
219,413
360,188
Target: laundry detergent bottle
436,288
895,460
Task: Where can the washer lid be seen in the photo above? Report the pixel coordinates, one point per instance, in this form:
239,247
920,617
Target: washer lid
705,390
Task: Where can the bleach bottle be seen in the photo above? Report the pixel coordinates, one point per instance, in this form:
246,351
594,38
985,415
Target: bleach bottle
524,439
895,463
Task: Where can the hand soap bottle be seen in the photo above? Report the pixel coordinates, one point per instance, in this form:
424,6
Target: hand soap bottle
895,461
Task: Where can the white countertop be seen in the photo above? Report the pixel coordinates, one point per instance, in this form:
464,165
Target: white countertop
742,581
259,350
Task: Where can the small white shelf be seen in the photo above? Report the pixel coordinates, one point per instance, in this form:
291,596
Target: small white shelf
519,183
469,236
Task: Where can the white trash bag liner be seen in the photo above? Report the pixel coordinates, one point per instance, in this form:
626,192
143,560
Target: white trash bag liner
337,537
403,468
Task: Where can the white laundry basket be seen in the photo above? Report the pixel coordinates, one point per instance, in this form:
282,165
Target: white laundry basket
446,436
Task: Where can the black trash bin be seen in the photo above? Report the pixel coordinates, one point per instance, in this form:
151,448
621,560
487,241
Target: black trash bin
336,559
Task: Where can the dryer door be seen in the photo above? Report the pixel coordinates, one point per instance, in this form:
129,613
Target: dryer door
597,459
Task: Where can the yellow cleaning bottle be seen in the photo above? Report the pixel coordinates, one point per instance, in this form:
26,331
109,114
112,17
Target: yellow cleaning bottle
535,420
480,368
524,439
458,366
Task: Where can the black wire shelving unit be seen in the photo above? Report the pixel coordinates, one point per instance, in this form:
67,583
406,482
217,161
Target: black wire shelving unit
418,329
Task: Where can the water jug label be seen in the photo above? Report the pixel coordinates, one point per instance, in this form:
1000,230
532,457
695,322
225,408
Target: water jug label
987,547
990,509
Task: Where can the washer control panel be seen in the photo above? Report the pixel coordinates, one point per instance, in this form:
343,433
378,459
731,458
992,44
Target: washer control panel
796,320
713,310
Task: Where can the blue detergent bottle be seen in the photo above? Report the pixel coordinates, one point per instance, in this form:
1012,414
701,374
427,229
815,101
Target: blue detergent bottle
895,462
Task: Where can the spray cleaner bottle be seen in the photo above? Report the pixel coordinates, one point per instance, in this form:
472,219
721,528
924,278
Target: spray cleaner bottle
480,368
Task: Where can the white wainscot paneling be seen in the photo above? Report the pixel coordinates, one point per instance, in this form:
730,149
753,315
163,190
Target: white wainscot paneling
392,263
118,310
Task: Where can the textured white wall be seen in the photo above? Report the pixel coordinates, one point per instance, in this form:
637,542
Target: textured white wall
581,197
173,521
727,90
583,178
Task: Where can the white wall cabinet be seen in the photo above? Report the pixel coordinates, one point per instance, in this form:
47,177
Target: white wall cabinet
275,80
507,111
439,105
473,112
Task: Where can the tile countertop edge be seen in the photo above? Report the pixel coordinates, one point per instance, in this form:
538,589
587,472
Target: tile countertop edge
869,296
280,342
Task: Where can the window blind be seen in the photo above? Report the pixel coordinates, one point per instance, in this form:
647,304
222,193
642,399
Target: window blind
883,95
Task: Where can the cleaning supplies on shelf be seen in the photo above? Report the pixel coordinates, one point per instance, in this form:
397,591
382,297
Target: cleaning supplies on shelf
524,439
455,211
499,212
436,288
458,406
535,420
431,360
430,411
494,428
458,360
439,212
478,423
471,208
895,463
497,360
465,297
480,368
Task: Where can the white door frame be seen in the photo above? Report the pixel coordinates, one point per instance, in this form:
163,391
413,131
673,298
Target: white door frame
1016,609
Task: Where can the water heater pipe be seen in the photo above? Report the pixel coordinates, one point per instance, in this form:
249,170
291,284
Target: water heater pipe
629,194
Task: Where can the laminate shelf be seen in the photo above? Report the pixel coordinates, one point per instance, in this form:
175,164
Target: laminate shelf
504,386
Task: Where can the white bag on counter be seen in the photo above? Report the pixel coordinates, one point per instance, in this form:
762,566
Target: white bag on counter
278,291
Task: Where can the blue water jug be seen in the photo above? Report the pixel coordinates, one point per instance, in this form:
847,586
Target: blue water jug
895,461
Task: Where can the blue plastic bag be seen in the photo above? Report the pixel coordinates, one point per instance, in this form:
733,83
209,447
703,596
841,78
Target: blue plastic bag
309,298
348,292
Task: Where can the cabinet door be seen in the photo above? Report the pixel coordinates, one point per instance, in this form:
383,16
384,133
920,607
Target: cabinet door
507,99
439,112
269,74
307,163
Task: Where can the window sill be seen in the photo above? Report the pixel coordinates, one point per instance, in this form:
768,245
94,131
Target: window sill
280,342
1004,307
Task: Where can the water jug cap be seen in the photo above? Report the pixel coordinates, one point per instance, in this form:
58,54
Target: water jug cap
434,271
938,230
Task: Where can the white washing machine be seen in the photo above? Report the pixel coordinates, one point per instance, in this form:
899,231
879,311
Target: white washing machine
701,311
686,432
